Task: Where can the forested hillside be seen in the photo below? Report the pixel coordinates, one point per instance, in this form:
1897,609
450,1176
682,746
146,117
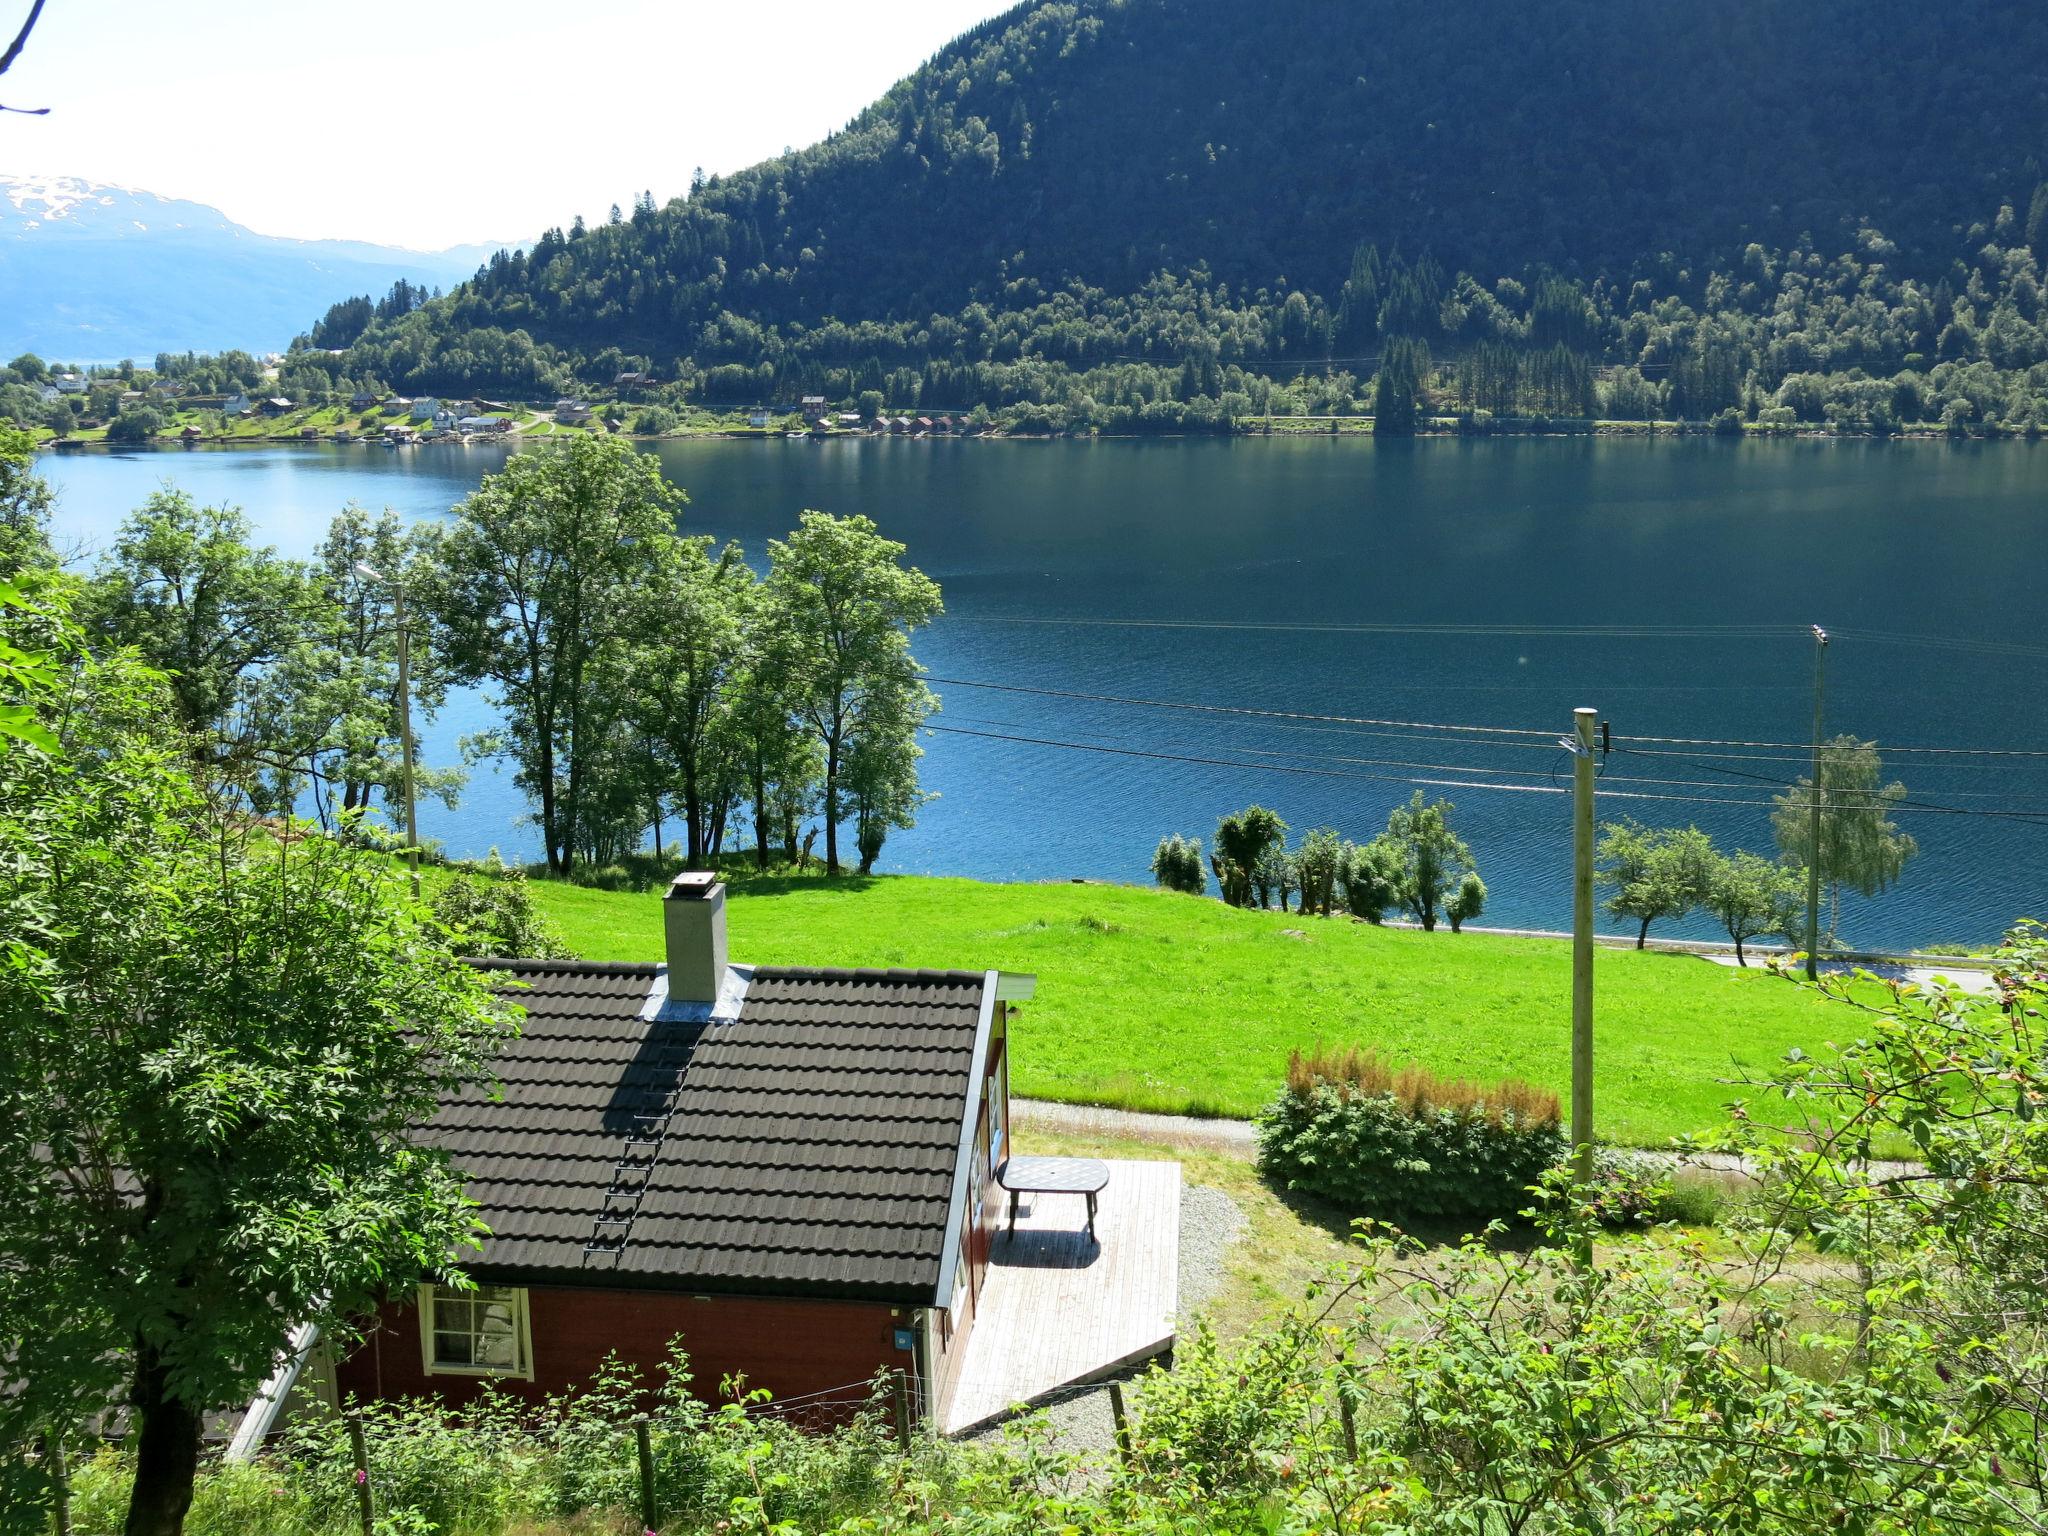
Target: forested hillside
1189,185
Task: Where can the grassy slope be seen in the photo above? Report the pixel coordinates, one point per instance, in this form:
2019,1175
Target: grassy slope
1156,1001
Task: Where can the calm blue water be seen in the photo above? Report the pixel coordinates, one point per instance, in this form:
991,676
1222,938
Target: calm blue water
1908,539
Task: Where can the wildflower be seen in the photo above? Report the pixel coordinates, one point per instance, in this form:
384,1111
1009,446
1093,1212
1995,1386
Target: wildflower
362,1477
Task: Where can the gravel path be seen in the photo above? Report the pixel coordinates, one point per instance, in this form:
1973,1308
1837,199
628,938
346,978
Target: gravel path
1210,1222
1233,1136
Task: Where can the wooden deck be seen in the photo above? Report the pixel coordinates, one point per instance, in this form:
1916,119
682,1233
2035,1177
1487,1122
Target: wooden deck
1059,1308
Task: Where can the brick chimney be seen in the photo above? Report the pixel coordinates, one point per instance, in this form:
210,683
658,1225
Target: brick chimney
693,924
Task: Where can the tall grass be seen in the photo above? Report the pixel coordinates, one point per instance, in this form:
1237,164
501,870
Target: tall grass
1353,1072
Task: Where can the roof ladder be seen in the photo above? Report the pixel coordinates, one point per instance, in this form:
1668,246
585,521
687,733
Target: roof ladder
612,1226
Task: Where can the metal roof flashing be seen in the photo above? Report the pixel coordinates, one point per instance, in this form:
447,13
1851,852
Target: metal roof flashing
732,996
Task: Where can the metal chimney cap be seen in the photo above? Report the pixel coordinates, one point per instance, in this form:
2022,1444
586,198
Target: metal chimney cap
692,885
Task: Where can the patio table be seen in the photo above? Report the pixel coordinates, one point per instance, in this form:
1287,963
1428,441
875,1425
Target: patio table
1053,1176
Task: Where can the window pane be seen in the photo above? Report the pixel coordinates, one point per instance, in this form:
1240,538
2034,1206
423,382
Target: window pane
495,1349
452,1349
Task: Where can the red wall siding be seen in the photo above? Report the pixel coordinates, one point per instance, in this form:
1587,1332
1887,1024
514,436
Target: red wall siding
789,1347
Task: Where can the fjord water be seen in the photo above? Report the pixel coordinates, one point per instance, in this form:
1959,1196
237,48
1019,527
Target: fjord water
1146,569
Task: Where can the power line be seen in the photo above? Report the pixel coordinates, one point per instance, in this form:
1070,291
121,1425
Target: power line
1562,631
1473,732
1807,747
1238,709
2029,818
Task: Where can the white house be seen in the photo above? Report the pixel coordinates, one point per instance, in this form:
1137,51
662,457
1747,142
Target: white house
235,405
425,408
70,384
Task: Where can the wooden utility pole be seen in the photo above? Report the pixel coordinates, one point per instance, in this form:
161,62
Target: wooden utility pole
1581,743
1820,665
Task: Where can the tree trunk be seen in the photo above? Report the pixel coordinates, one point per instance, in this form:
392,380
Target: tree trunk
657,831
693,816
1738,953
166,1453
760,816
1643,935
832,812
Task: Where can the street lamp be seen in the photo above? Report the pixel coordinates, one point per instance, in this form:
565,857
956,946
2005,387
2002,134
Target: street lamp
412,832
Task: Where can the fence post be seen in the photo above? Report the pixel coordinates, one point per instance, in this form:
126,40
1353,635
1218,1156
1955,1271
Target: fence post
60,1481
366,1510
902,1396
1116,1412
644,1445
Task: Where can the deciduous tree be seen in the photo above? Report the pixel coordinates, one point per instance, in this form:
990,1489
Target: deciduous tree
1433,858
1861,847
535,594
1656,872
845,605
213,1050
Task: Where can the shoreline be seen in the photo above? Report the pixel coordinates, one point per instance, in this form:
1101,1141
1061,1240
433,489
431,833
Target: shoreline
1333,432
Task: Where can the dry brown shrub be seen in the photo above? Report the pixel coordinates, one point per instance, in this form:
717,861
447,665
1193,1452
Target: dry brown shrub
1358,1073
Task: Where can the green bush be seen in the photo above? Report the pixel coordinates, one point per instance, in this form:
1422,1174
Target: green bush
489,911
1389,1143
1177,864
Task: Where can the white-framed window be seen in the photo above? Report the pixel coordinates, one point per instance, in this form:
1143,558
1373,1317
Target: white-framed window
479,1332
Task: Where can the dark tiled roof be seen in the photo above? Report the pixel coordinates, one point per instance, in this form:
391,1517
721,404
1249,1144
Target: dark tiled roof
811,1147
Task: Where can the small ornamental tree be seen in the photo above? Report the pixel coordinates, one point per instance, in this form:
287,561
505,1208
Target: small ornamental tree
213,1050
1319,867
1656,872
1467,902
1751,895
1244,839
1177,864
1371,878
1433,858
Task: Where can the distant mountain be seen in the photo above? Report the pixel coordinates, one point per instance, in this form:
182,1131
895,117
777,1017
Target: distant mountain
95,273
1102,142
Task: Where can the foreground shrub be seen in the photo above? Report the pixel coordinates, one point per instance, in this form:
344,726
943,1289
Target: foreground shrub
1387,1142
489,911
1177,864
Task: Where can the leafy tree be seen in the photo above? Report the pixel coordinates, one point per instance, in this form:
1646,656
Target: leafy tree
678,671
1319,866
534,593
136,424
845,605
1751,895
881,763
1656,872
1433,859
1861,847
487,911
1177,864
339,707
215,1049
1243,841
199,602
1371,878
1467,902
25,502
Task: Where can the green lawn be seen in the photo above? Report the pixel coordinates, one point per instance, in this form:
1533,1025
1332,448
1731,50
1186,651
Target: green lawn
1151,1000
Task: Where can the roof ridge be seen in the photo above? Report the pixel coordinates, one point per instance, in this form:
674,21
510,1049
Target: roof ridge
565,967
866,973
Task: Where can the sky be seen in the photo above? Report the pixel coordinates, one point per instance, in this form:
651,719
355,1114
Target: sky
435,125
